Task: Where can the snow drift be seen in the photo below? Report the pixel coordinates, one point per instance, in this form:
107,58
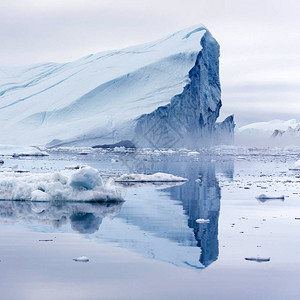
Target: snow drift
168,89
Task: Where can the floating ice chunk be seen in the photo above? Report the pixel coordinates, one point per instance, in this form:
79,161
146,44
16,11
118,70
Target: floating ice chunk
86,178
72,185
297,163
258,259
202,221
198,180
81,259
157,177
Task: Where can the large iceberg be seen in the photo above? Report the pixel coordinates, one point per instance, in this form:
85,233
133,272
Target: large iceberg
160,94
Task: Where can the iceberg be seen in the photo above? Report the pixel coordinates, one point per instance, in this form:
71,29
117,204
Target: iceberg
161,94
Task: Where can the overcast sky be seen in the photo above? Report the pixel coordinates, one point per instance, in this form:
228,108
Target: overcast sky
260,41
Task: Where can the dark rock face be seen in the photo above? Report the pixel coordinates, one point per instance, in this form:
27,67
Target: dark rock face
190,118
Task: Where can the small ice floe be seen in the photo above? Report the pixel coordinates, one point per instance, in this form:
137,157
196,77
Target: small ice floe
264,198
157,177
198,180
202,221
84,184
258,259
82,259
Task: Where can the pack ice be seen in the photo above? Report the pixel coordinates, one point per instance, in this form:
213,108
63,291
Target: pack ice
160,94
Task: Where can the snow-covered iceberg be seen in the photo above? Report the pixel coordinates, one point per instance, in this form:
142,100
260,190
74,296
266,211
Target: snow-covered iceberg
160,94
84,184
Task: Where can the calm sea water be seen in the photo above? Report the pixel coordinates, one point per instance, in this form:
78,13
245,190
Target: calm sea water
150,246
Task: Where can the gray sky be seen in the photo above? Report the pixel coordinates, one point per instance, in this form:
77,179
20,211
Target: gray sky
260,41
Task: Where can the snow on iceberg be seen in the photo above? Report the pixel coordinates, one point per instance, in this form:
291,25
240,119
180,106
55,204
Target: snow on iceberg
119,96
157,177
84,184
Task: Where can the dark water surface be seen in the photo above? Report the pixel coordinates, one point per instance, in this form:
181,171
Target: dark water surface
150,246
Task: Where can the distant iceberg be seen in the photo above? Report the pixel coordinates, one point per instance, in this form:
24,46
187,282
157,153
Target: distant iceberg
272,133
161,94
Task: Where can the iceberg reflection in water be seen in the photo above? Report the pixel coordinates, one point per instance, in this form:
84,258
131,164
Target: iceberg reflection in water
157,222
84,218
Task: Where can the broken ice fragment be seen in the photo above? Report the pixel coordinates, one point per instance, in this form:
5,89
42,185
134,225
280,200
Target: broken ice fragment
201,221
81,259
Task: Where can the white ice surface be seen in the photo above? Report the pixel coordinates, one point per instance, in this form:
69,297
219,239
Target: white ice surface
71,185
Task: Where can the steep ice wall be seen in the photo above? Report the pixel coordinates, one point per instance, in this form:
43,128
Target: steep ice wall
190,119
